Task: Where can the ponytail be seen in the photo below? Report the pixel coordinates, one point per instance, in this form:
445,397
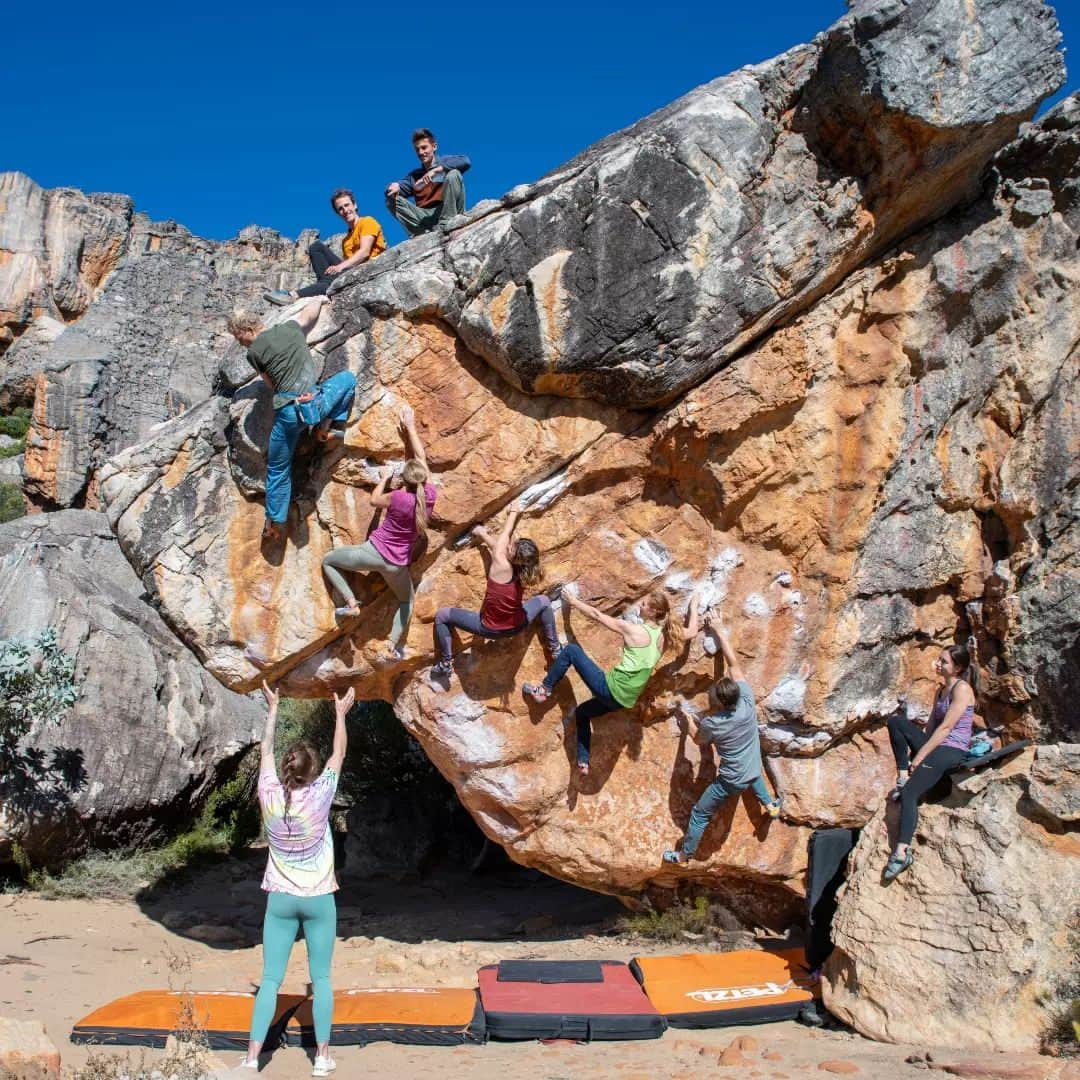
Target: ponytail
525,559
961,658
415,476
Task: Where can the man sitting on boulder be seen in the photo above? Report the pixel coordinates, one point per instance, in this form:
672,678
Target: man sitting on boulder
733,729
436,186
281,356
363,241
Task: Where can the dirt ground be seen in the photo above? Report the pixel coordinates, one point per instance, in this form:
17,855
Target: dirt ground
61,958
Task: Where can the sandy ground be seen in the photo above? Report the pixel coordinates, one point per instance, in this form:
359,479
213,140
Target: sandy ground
59,959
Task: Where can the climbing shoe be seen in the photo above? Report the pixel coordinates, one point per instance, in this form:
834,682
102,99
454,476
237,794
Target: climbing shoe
279,297
537,691
673,857
443,669
323,1066
773,809
897,864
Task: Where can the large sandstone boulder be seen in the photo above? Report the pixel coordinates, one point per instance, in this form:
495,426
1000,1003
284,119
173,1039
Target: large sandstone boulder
873,479
150,731
968,947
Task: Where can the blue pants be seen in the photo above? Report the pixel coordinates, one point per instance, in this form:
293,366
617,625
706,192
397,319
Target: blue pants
285,914
334,402
598,705
712,798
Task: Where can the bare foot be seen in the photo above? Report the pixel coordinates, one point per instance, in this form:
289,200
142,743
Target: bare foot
272,531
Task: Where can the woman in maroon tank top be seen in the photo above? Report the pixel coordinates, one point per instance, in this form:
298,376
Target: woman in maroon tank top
513,565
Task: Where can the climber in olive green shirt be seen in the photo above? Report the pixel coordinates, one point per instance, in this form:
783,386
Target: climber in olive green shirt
281,356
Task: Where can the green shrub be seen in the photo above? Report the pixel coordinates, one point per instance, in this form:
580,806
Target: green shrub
17,425
12,503
14,450
37,686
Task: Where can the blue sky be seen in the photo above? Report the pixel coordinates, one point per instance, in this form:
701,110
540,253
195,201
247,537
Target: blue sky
223,115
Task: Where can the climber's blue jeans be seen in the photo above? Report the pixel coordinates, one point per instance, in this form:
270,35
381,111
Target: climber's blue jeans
335,401
712,798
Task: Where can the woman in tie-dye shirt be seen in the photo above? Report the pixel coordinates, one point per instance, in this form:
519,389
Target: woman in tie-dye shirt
299,879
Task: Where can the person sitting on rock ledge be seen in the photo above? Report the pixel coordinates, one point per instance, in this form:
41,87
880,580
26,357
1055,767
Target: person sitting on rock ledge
281,356
300,881
436,187
938,749
513,565
621,687
393,545
363,242
733,729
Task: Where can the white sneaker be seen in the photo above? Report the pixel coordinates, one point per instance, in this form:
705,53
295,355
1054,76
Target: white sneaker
324,1066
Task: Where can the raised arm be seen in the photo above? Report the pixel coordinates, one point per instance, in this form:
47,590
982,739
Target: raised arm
634,634
266,754
734,668
342,705
412,438
501,548
309,314
690,631
962,697
380,497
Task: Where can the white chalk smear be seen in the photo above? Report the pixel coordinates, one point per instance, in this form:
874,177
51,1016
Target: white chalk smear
783,579
755,605
652,555
541,495
788,697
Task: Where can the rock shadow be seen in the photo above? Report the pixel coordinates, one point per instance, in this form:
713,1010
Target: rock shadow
221,904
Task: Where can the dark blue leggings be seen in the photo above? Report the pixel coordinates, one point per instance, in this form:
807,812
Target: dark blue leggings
594,678
905,737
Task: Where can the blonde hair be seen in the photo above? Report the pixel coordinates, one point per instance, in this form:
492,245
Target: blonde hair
656,607
414,475
243,322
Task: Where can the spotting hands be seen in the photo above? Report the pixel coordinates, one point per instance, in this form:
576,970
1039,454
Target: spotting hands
344,703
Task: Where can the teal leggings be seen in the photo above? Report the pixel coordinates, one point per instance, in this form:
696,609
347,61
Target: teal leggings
285,914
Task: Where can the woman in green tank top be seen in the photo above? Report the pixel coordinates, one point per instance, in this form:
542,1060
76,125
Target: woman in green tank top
643,645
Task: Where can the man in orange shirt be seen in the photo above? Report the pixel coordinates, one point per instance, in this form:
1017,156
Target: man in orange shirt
363,241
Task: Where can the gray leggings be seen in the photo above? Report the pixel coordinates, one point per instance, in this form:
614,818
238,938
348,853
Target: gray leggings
366,557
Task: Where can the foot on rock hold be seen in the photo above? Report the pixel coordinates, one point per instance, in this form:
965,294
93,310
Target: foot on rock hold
897,864
280,298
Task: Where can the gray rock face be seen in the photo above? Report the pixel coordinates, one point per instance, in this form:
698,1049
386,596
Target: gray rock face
962,949
150,731
644,264
121,322
56,248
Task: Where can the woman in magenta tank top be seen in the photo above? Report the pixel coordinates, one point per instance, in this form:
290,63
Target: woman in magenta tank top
392,546
939,748
504,612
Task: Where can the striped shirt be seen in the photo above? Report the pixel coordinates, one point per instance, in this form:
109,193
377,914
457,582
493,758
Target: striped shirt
301,847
